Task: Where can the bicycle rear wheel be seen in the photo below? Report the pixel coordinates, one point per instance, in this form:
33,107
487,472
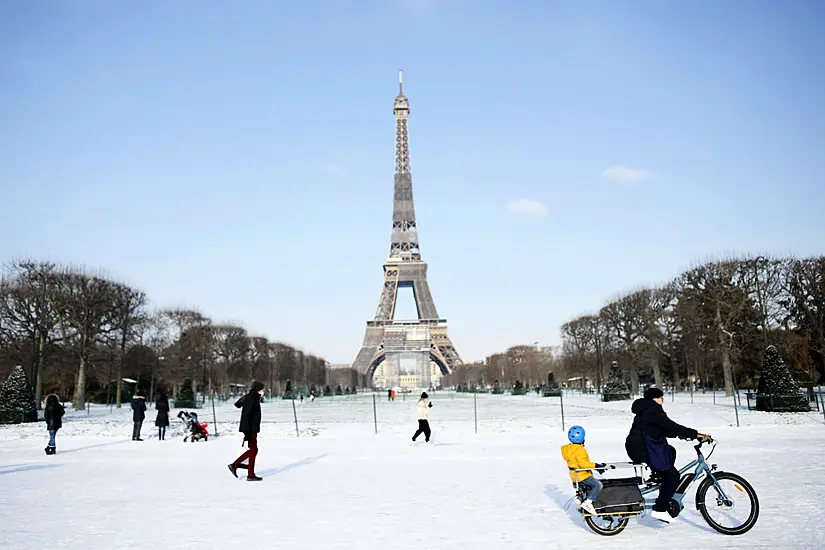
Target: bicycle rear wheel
734,510
606,525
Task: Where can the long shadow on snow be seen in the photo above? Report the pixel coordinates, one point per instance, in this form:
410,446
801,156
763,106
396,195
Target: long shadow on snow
296,464
96,445
563,499
17,468
703,526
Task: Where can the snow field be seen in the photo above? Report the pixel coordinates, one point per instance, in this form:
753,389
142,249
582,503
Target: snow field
341,486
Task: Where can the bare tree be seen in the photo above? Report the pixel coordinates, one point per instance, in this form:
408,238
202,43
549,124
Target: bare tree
85,305
805,284
716,286
27,304
231,352
626,319
127,313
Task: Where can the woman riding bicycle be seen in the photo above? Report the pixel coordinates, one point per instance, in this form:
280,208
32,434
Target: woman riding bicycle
647,442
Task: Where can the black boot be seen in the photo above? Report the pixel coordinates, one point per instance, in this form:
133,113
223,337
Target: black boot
48,450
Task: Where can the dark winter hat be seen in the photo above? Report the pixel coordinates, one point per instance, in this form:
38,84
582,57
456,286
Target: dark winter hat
424,395
256,386
653,393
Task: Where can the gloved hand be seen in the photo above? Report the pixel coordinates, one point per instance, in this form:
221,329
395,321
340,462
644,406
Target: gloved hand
430,405
600,467
704,437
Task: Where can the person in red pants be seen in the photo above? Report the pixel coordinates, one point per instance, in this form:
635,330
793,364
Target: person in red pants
250,405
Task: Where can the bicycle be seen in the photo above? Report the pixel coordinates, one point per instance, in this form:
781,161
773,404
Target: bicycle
628,496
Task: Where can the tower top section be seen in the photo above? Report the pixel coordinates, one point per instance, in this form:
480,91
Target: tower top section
401,107
404,236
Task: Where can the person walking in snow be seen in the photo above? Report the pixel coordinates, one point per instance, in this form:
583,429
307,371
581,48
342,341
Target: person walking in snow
54,421
138,415
162,420
250,405
647,442
422,411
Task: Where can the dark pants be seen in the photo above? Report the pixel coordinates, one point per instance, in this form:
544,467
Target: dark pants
250,454
161,432
670,482
136,430
423,428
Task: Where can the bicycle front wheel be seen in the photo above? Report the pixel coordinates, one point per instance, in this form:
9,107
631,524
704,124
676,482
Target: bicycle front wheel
731,511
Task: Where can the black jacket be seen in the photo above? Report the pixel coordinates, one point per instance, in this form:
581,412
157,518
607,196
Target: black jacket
54,416
162,406
138,408
250,413
647,440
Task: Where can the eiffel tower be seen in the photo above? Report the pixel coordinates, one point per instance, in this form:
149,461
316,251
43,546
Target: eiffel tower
426,337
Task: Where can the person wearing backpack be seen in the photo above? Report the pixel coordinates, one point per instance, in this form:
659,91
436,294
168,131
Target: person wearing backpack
647,442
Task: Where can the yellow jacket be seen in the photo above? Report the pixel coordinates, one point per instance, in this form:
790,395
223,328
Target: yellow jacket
576,456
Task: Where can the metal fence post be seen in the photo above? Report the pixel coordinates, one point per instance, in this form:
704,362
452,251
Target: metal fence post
822,400
735,408
475,412
214,418
374,413
295,415
561,405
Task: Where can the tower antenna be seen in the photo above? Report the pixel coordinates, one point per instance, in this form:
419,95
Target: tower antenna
400,82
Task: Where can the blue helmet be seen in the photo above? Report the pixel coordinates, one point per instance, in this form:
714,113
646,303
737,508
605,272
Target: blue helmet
576,434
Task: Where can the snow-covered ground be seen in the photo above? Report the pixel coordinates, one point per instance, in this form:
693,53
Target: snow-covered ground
339,485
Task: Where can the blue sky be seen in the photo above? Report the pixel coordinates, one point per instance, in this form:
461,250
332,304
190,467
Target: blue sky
238,157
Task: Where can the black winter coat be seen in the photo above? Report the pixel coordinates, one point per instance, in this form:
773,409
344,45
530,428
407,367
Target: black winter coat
647,440
162,406
54,416
250,413
139,409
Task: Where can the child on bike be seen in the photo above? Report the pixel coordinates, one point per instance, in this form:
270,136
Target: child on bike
577,458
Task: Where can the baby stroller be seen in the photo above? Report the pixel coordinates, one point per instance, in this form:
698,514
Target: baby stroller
194,430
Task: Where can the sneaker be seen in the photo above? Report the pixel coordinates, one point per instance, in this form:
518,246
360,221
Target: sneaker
253,478
661,516
233,469
587,506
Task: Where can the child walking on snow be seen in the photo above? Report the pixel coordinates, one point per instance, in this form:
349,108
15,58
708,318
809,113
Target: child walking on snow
576,456
423,414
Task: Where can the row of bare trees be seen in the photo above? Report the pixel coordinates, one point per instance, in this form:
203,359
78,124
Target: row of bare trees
527,364
710,323
81,333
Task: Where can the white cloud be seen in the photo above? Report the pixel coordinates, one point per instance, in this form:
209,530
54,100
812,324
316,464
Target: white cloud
623,174
527,208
